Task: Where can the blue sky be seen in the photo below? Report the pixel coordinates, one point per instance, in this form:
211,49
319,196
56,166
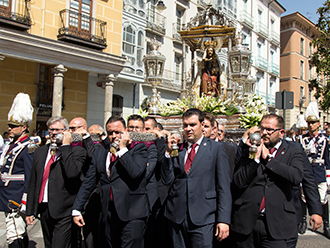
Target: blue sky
307,8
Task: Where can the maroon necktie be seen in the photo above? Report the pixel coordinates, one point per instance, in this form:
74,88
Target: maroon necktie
263,204
45,177
112,160
190,159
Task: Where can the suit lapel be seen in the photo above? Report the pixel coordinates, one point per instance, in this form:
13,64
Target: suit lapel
281,150
181,158
43,158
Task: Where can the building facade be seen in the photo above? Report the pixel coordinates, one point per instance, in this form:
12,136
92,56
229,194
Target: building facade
297,33
74,42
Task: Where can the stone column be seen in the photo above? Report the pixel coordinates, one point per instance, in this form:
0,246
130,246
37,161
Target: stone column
109,83
58,89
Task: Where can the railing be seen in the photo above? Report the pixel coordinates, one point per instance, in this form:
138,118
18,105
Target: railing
155,21
171,79
270,99
274,38
21,18
262,29
82,27
176,27
274,68
261,62
246,18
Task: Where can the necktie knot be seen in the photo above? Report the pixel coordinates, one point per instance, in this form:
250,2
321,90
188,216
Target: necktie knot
272,150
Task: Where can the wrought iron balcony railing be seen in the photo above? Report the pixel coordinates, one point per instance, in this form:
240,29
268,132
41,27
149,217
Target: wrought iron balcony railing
82,29
156,22
176,27
274,38
20,19
261,63
274,69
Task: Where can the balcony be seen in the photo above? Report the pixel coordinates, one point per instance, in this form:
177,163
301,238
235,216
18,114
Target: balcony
155,22
82,29
175,35
261,63
262,30
274,69
270,99
204,3
171,80
246,19
274,38
20,19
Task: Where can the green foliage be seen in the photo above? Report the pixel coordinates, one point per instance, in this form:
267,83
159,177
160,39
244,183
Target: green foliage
321,58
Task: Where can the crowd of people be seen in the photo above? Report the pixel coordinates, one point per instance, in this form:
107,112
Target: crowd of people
135,184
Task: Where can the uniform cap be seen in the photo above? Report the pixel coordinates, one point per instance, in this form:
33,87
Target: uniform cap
21,111
312,112
301,123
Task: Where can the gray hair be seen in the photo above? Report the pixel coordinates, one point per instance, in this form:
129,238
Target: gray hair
60,119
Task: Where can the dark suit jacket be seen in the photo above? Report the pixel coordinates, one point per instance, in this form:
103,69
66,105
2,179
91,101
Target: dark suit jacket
127,180
152,188
204,194
63,182
274,180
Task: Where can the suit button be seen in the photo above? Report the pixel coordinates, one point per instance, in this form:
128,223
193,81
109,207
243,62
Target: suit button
266,187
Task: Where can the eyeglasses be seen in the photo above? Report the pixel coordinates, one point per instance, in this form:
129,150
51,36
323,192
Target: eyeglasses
269,130
75,128
111,132
132,128
55,129
11,126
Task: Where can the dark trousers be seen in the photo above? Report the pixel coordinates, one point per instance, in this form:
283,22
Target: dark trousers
125,234
186,234
258,238
58,233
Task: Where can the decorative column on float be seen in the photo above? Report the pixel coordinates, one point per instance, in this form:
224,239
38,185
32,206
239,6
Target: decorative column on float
108,85
58,89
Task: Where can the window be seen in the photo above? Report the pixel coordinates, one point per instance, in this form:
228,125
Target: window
4,4
80,14
260,16
310,72
301,93
117,105
178,60
310,91
128,40
179,15
310,49
140,48
302,69
302,47
45,91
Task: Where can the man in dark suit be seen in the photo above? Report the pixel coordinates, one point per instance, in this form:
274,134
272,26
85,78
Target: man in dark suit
210,130
54,183
198,205
263,207
124,199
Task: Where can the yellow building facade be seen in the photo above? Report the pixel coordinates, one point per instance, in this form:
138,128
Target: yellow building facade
83,36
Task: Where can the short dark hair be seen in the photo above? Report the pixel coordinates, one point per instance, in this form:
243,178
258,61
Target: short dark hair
193,111
160,126
116,118
135,118
209,117
154,122
279,119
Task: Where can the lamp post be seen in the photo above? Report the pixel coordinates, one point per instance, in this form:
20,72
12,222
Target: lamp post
154,67
239,61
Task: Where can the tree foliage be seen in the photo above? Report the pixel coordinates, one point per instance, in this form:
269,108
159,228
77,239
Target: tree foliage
321,57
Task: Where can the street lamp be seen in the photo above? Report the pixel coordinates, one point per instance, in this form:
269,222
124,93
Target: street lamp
154,67
239,63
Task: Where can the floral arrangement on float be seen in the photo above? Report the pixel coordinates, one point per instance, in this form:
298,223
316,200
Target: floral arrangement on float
254,105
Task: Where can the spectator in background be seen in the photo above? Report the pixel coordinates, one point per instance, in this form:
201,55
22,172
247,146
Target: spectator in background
6,138
35,138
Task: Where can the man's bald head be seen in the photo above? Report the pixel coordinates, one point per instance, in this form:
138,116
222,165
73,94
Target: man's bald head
77,125
96,129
